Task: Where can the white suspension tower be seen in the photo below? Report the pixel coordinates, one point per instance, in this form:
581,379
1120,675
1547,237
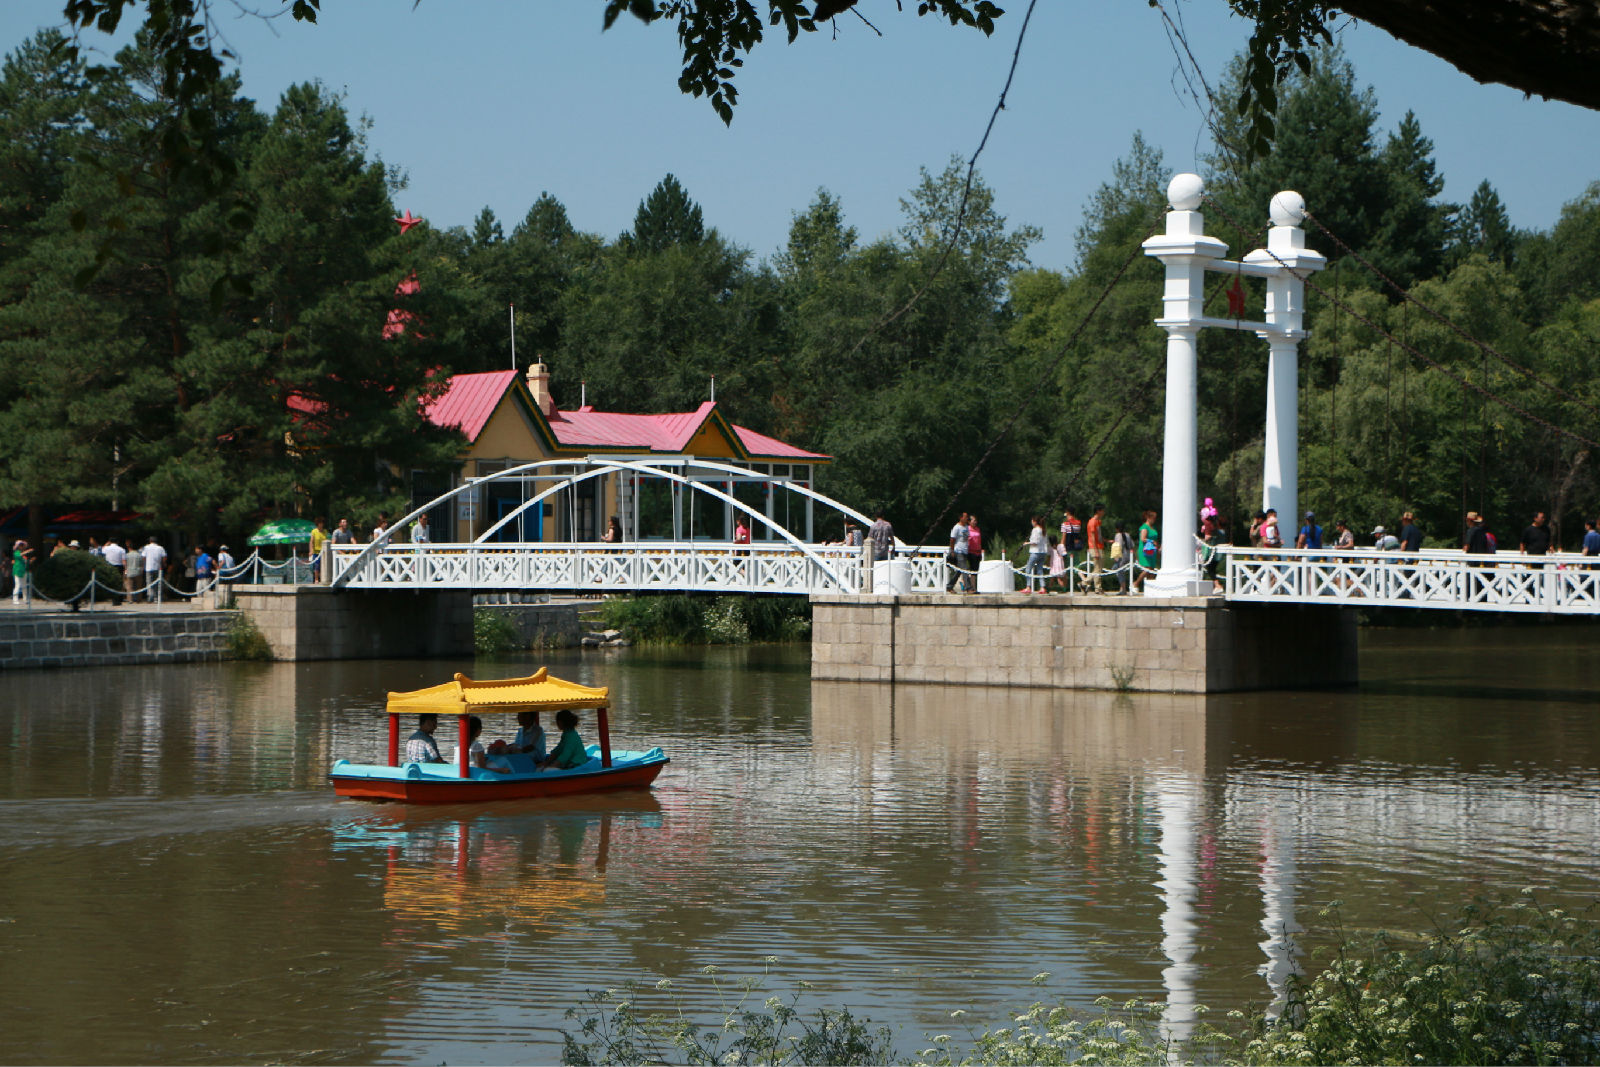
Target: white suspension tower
1188,254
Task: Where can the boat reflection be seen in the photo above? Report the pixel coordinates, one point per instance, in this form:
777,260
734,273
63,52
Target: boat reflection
465,869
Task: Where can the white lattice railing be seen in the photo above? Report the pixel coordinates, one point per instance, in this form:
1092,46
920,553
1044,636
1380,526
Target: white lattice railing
653,565
1558,584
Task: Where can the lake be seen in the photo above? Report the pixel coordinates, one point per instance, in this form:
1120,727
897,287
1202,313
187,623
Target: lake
181,886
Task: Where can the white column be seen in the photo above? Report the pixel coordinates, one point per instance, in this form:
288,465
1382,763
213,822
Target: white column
1185,251
1286,251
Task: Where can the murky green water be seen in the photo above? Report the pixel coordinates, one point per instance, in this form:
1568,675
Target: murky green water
177,883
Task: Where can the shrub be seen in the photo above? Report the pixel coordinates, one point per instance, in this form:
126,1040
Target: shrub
1510,982
682,619
65,576
493,633
613,1029
245,640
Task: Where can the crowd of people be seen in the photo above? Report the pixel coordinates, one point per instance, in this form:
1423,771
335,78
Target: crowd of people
1107,558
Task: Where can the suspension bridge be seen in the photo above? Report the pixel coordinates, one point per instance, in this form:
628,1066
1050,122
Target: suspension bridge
780,560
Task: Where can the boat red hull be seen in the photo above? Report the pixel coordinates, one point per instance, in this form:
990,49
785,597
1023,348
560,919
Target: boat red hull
470,790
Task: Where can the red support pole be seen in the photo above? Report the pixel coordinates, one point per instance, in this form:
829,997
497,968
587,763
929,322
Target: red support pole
394,740
605,740
461,747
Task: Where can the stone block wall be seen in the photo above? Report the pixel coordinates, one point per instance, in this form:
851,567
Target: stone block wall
314,622
86,639
1182,645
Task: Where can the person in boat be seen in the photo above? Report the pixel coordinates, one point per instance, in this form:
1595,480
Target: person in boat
569,751
476,754
530,736
420,746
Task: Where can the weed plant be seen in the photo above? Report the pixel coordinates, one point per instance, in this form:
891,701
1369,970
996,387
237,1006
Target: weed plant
245,640
493,633
1510,981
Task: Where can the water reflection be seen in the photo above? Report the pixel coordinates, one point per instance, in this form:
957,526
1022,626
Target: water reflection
168,835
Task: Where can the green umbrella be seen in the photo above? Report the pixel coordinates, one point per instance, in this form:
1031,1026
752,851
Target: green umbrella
283,532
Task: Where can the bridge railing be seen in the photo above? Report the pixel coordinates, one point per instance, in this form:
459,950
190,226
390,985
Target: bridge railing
589,567
1554,584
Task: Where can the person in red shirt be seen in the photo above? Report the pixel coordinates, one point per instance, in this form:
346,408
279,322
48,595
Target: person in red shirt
1097,546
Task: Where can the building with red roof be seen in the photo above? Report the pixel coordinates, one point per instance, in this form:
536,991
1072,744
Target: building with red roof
510,419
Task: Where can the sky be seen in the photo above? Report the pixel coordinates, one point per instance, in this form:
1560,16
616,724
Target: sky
491,102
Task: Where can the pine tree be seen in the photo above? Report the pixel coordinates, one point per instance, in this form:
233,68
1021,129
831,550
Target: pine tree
665,218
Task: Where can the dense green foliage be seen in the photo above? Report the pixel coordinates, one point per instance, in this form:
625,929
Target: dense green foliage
149,378
679,619
1509,982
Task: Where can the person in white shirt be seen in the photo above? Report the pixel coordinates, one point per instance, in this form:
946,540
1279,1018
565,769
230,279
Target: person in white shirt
224,565
476,755
114,554
155,559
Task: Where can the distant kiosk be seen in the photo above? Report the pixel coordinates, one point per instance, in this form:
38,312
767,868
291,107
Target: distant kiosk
1187,253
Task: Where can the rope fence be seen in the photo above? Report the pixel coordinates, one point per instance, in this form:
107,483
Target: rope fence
158,590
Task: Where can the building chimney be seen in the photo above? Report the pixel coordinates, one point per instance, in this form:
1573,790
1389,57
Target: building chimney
539,386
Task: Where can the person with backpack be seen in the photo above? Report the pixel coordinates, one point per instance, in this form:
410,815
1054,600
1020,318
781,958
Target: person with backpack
1122,552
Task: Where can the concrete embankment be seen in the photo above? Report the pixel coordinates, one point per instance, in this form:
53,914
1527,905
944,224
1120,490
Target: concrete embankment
111,638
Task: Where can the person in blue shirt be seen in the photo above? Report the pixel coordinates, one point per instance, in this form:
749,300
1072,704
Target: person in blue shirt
1310,534
1591,539
202,568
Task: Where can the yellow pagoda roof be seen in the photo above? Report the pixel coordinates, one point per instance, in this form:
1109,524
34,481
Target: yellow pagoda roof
462,696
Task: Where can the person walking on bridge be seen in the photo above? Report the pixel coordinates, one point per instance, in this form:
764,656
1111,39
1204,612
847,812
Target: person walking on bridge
882,537
1536,537
1094,532
958,556
1591,538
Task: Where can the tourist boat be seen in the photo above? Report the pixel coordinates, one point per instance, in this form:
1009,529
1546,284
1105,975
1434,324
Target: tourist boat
443,783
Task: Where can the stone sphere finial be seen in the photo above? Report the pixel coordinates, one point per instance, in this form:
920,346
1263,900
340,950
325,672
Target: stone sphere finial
1288,208
1185,191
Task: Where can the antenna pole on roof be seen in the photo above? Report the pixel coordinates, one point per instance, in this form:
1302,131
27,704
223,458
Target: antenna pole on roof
513,337
713,388
583,393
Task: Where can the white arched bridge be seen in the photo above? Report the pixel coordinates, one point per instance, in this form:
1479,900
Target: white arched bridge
776,559
779,560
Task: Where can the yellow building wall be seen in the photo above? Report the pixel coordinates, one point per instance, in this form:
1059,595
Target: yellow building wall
508,438
710,441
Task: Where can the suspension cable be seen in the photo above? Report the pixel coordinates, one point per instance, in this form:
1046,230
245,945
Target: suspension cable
1066,347
1440,317
1436,365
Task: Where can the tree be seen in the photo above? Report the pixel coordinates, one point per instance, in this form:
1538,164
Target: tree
1484,227
665,218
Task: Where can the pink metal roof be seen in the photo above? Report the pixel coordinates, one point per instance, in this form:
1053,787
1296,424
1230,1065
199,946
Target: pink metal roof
587,428
759,444
469,400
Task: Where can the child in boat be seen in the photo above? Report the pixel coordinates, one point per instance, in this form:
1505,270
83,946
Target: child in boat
569,751
475,752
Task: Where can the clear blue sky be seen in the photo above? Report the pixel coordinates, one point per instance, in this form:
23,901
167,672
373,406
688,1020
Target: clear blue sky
491,102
